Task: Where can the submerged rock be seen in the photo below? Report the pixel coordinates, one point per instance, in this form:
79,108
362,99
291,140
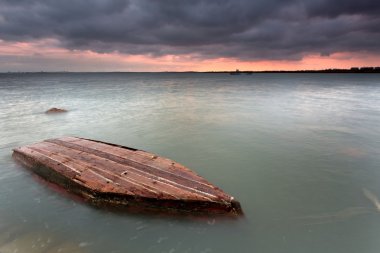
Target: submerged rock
55,110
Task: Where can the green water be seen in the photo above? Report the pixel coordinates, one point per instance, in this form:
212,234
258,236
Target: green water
301,152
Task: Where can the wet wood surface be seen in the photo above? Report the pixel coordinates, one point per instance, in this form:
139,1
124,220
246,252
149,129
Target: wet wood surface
114,175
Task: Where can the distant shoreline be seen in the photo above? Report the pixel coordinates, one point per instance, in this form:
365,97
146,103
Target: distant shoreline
351,70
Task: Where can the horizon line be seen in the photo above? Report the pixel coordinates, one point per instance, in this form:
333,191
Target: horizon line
363,69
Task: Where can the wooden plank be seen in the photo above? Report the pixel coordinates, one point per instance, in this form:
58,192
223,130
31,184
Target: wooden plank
117,175
121,156
138,155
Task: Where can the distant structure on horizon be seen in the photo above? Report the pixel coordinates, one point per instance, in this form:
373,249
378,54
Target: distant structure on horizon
237,72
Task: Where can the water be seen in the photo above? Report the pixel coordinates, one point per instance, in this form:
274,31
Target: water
301,152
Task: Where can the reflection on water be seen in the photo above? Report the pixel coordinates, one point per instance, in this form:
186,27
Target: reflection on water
372,197
353,152
338,216
299,151
16,239
344,214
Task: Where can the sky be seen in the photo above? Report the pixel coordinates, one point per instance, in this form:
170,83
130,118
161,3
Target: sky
188,35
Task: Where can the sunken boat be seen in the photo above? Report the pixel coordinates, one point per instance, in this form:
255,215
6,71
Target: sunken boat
110,175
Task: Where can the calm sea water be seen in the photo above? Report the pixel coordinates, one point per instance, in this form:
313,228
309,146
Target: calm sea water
301,152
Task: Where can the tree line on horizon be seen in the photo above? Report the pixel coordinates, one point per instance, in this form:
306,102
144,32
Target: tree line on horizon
331,70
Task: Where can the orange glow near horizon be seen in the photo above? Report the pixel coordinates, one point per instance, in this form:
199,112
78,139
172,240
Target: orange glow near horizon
49,57
309,62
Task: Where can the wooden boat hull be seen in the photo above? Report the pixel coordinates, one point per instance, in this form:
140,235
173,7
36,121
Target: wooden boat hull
110,175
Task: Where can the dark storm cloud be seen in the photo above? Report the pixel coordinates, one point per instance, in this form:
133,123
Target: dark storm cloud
243,29
335,8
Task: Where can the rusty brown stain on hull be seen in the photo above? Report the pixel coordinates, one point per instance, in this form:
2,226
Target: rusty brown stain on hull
107,174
